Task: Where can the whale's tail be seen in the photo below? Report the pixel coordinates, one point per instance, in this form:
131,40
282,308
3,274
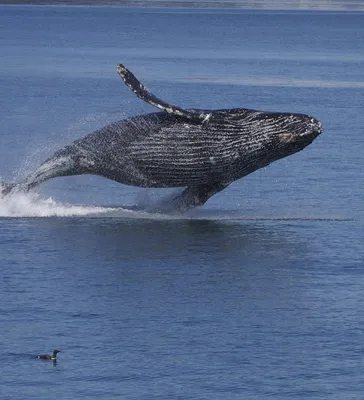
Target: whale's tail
6,188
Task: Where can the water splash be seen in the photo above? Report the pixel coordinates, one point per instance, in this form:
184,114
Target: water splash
32,205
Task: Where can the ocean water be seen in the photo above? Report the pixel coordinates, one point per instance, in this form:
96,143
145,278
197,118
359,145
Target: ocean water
257,294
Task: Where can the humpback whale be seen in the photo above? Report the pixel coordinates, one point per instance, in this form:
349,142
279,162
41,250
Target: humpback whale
202,151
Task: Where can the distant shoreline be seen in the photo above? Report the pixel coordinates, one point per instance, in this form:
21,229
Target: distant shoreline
319,5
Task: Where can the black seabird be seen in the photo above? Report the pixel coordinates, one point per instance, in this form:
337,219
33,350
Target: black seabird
48,357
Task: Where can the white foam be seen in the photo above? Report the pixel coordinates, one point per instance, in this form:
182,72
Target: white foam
32,205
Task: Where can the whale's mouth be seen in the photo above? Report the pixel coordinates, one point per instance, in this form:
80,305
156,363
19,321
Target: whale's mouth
302,134
314,130
309,127
301,138
319,127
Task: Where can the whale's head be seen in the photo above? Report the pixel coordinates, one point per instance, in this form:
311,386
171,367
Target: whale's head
269,136
273,136
296,131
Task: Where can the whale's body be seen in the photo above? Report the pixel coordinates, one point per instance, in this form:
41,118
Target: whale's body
203,150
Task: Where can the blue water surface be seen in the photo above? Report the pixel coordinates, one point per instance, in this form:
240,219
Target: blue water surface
258,294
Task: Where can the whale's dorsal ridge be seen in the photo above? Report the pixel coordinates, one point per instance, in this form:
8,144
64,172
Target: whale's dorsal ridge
144,94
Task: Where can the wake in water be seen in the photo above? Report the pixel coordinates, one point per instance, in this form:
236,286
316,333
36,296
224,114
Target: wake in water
30,205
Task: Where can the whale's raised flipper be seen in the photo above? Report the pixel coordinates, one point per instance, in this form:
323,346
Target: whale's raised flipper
191,197
144,94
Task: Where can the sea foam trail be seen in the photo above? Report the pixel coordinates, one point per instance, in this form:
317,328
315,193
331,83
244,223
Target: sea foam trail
32,205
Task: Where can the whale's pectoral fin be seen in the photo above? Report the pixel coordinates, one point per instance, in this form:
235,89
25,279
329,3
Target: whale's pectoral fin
192,196
143,93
